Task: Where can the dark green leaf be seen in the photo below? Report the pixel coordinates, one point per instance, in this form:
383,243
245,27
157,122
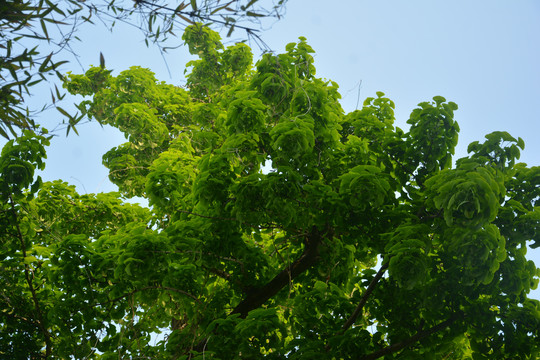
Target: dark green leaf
101,61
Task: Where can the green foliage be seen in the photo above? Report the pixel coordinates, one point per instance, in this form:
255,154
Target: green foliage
18,161
279,227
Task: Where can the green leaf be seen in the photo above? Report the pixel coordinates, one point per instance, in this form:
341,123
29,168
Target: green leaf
101,61
30,259
254,14
44,28
249,4
43,66
63,112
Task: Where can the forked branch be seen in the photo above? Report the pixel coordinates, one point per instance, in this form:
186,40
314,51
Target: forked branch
260,295
410,341
350,321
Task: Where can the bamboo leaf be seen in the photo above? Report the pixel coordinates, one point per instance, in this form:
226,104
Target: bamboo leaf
44,28
254,14
249,4
186,19
43,66
221,7
101,61
63,112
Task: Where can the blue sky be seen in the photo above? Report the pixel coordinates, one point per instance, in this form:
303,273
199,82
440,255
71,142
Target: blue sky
483,55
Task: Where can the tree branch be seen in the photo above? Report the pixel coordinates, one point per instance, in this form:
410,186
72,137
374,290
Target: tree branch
363,301
38,314
260,295
408,342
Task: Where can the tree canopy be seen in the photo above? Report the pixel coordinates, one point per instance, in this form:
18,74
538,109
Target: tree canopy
278,226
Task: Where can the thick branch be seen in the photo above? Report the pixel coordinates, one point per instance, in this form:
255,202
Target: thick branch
408,342
260,295
363,301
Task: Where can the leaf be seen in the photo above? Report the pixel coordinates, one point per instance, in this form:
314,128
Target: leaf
101,61
231,29
3,133
181,7
41,250
55,8
194,5
43,66
439,99
320,286
249,4
186,19
44,28
30,259
63,112
74,129
521,143
221,7
254,14
58,94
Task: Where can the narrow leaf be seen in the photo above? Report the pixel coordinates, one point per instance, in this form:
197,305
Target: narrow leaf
43,66
221,8
186,19
251,3
231,29
44,28
63,112
3,133
254,14
101,61
181,7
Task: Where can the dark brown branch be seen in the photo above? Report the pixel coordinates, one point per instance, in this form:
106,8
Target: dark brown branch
260,295
408,342
364,299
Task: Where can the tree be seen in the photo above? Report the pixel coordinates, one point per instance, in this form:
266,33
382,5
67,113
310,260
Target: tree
25,29
279,227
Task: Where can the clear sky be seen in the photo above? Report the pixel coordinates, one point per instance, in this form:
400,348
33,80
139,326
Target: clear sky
484,55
